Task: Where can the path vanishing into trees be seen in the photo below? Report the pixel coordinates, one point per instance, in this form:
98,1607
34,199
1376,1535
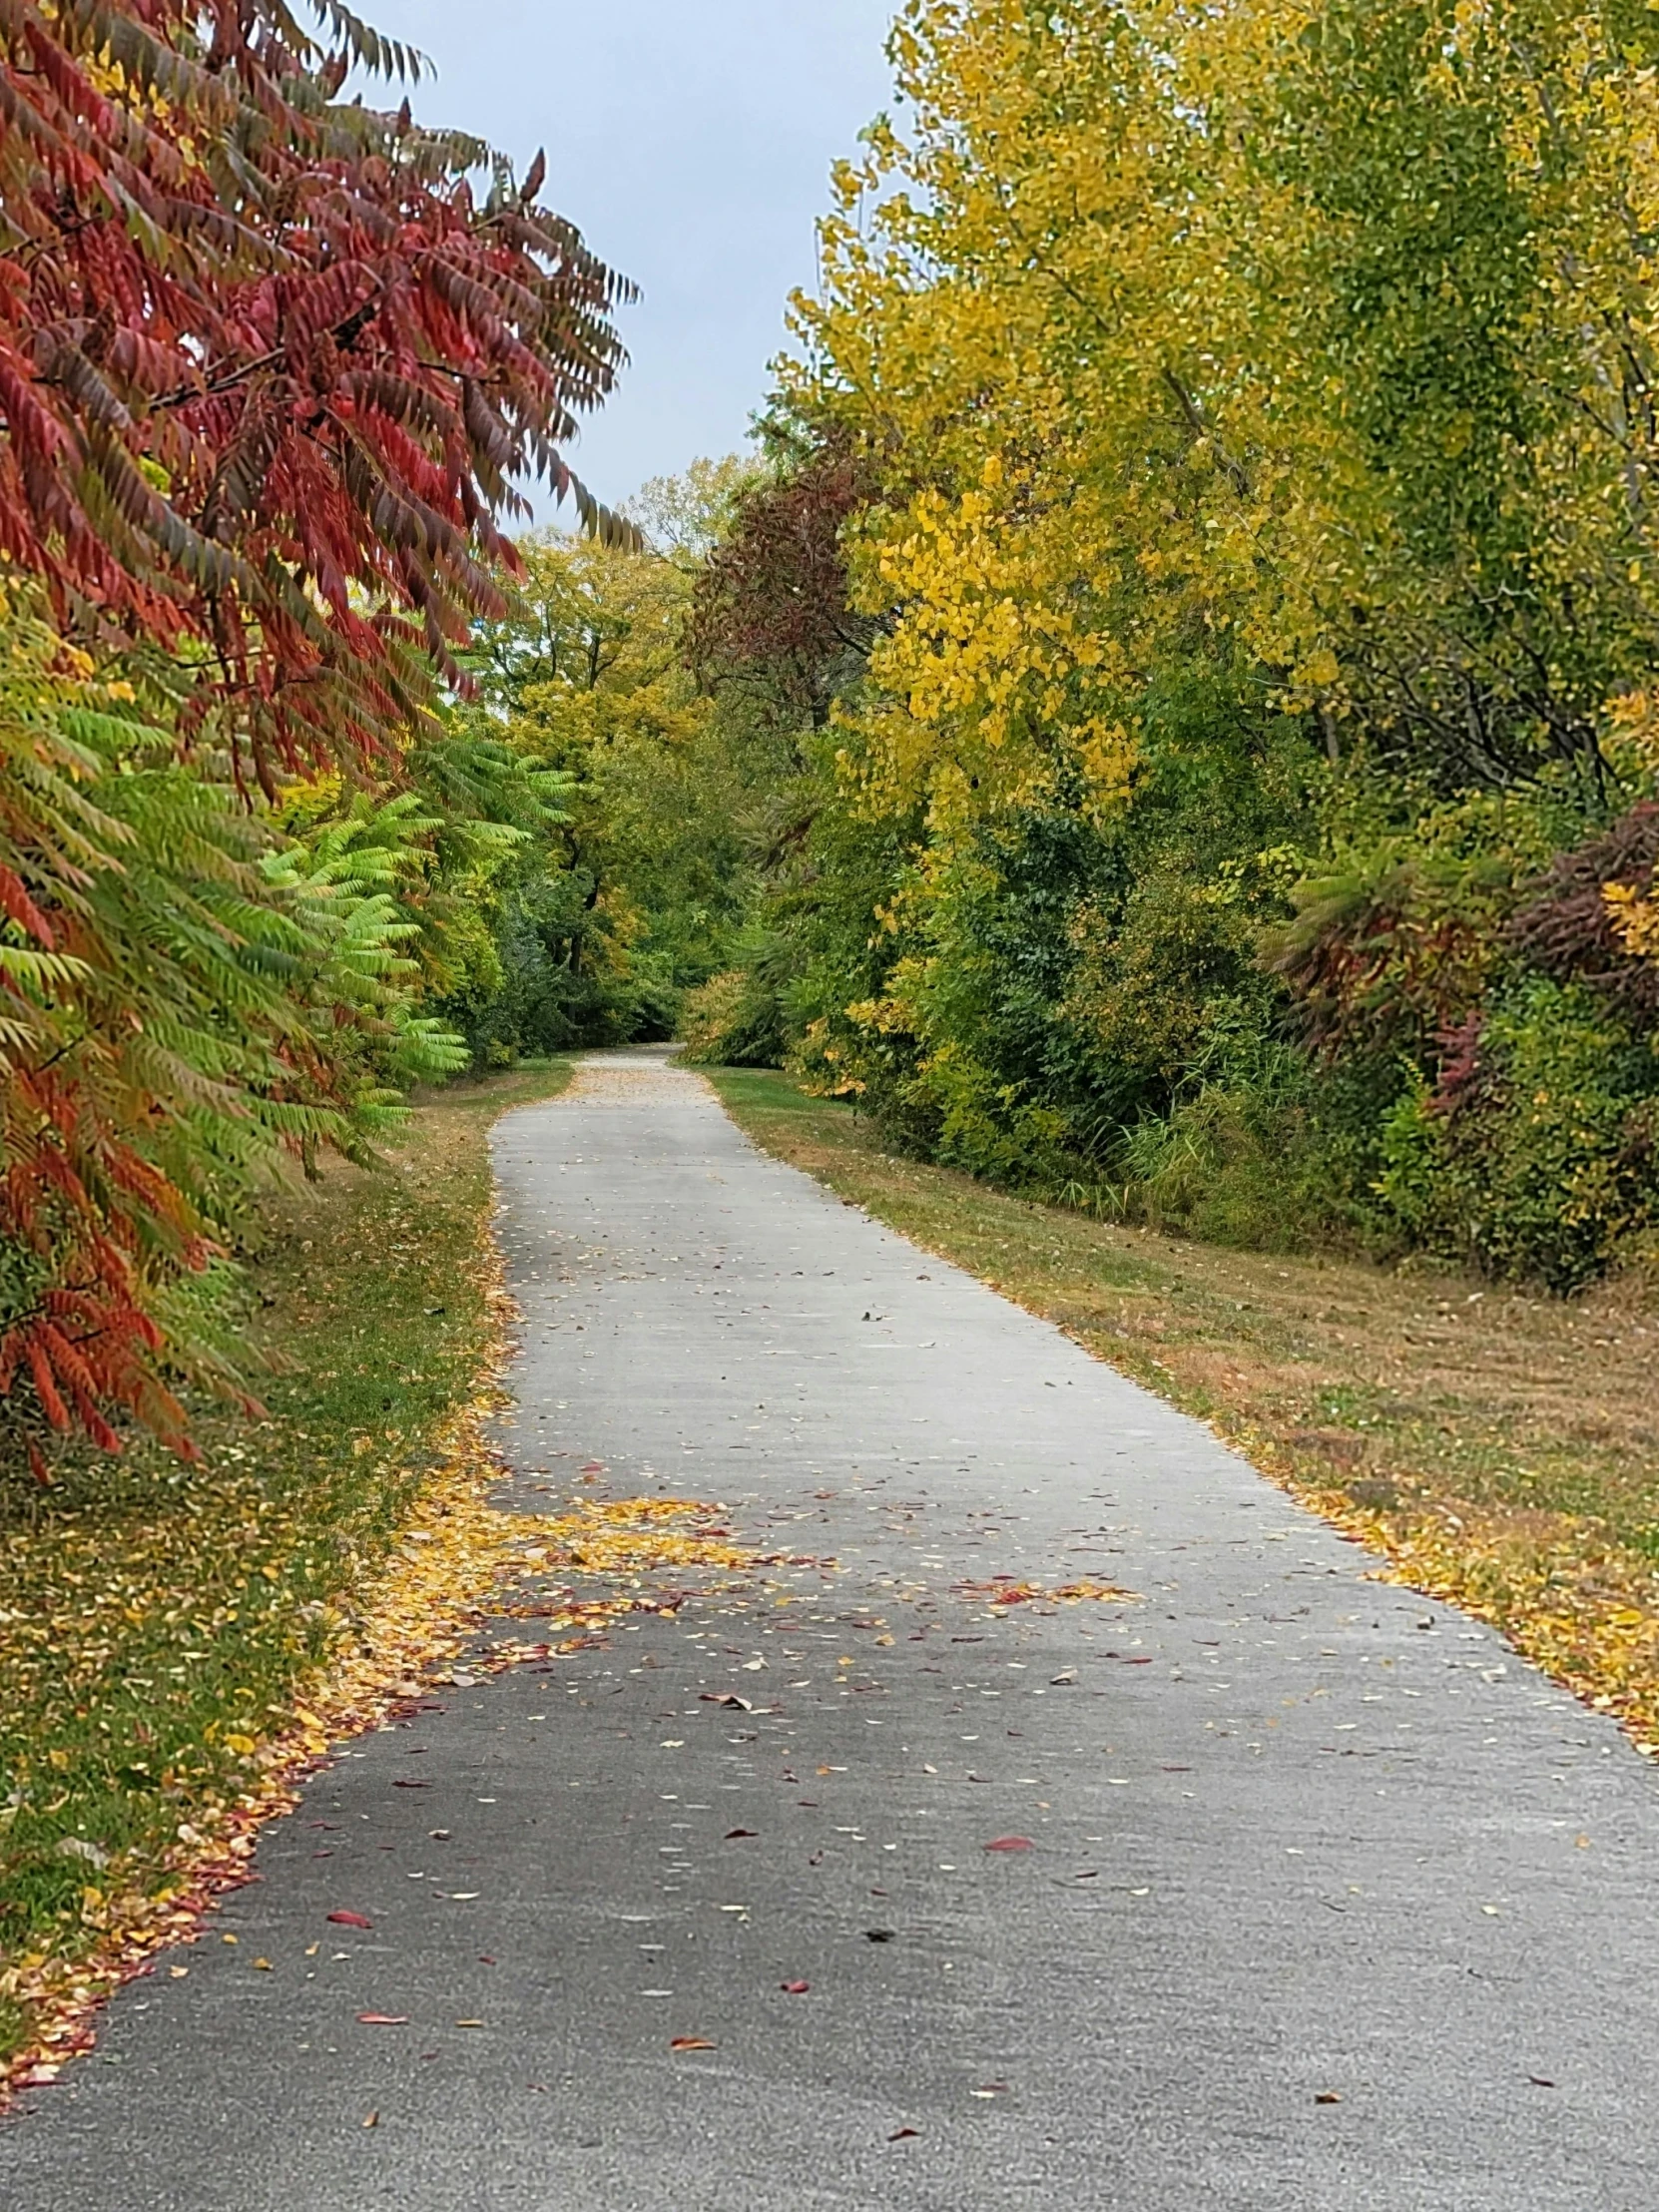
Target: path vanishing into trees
1330,1901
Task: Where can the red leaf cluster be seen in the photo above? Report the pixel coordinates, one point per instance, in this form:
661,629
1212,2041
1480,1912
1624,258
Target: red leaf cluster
1566,931
268,367
774,594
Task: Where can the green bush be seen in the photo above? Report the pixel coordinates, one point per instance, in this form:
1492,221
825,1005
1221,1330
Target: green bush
1543,1160
734,1020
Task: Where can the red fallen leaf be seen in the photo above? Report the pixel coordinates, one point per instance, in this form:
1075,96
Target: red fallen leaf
1138,1662
592,1466
898,2134
733,1833
351,1920
795,1988
383,2020
411,1785
1011,1843
691,2042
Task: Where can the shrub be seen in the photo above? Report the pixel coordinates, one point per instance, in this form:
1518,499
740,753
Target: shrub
1544,1158
734,1020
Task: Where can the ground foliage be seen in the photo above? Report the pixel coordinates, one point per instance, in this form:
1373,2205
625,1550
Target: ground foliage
173,1637
1200,602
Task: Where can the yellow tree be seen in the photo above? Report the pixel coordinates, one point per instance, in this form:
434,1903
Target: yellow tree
1306,344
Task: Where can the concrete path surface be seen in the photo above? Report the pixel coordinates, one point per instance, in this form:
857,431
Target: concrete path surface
1331,1904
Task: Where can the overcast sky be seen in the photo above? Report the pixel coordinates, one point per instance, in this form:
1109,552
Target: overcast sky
691,140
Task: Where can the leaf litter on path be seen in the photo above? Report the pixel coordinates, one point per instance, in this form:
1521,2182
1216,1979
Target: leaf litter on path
441,1585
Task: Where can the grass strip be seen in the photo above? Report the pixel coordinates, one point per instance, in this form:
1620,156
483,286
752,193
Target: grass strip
164,1631
1498,1449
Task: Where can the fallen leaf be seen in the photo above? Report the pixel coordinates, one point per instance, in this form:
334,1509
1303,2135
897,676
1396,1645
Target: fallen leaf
372,2120
728,1697
879,1935
77,1847
1540,2081
401,1785
1011,1843
898,2134
264,1964
733,1834
1328,2096
1070,1675
469,2023
691,2042
795,1988
351,1920
383,2020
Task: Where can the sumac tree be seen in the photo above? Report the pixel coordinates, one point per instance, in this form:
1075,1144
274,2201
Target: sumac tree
272,368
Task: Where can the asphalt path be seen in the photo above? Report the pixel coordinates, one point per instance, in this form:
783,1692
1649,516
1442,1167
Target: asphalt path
1331,1903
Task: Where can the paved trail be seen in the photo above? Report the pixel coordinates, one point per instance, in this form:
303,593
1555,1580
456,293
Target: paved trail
1297,1834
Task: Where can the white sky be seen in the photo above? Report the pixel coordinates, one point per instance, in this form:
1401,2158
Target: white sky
690,141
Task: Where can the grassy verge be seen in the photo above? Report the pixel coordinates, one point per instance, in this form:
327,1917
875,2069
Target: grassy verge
157,1622
1499,1448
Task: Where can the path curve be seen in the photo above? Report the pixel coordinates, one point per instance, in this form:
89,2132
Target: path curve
1332,1903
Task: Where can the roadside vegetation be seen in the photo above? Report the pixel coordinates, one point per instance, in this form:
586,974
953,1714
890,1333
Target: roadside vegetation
1495,1444
1206,593
160,1623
